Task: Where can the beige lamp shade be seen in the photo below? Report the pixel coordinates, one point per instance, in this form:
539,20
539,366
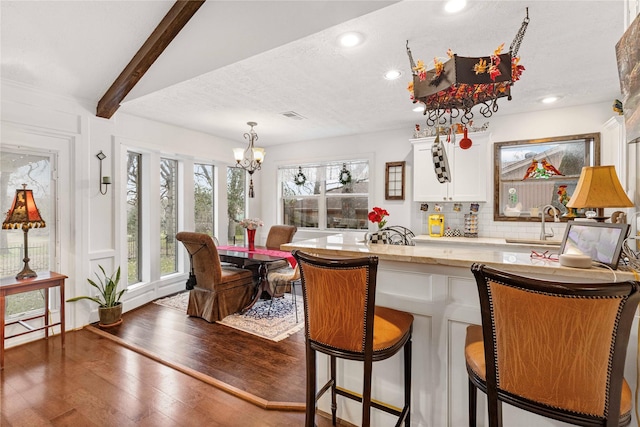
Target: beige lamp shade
599,187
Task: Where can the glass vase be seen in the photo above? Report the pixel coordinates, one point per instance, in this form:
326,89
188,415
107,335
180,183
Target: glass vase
251,239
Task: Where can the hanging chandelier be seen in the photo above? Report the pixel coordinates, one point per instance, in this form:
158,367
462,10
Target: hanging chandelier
250,158
451,89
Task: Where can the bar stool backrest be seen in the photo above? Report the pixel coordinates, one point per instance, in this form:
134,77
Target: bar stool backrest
339,298
561,345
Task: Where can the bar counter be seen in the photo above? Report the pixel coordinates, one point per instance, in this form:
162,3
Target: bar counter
458,252
433,281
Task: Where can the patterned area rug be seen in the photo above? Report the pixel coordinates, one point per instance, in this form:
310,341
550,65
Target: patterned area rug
275,324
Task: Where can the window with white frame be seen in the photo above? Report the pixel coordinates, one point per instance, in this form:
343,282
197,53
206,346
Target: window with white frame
134,248
203,208
236,204
325,195
168,216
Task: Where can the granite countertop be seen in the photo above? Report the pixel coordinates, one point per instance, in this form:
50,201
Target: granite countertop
438,251
512,244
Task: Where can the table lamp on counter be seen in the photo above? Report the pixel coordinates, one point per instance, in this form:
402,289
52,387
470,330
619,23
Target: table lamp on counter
599,188
24,214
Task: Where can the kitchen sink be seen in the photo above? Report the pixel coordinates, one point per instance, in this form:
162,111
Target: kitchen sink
535,242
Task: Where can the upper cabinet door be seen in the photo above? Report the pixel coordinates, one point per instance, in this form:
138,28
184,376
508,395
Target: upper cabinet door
471,170
467,168
426,186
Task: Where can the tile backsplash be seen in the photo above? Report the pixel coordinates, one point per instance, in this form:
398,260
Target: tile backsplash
487,227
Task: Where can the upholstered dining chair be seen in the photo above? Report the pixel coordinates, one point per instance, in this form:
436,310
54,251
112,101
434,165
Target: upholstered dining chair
219,291
342,321
284,280
551,348
279,235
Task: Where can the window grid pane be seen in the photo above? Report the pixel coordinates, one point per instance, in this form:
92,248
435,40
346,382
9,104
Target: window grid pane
301,212
203,198
168,216
133,217
236,190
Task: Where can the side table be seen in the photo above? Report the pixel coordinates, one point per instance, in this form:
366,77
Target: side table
11,286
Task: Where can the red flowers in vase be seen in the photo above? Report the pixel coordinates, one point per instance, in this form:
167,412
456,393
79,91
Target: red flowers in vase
377,215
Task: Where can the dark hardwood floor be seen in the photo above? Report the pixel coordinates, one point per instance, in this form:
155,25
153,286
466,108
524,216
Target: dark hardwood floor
270,371
95,381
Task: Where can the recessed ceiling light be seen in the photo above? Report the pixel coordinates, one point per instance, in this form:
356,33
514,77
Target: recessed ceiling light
550,99
453,6
392,74
350,39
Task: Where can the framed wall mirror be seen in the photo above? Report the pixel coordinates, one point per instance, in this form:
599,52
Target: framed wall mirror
531,174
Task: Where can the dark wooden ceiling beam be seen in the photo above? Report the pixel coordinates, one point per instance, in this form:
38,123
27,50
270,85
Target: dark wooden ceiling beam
165,32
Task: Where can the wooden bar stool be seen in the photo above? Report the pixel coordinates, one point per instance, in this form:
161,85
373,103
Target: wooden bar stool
342,320
551,348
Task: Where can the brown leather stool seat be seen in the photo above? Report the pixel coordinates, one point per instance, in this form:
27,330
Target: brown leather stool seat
551,348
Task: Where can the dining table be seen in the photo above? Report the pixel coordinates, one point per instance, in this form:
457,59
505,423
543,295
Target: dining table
242,257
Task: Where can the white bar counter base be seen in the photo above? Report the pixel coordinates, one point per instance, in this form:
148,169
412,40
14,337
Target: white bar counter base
433,281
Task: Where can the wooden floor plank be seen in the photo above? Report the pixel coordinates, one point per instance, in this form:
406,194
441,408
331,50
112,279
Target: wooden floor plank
273,371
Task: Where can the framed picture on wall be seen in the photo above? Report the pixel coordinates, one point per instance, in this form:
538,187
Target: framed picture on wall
394,181
628,58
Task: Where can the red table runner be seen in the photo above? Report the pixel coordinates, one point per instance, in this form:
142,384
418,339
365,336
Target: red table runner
263,251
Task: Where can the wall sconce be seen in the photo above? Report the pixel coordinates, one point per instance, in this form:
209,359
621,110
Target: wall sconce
104,180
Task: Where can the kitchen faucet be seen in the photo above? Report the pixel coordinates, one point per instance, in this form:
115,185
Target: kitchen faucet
543,233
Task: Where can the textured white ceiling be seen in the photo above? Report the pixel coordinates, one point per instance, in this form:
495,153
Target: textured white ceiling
251,61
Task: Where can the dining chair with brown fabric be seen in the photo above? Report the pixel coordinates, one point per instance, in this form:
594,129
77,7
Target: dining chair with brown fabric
279,235
551,348
342,321
219,291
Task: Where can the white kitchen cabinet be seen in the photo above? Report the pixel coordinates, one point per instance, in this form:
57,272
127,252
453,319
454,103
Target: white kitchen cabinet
469,170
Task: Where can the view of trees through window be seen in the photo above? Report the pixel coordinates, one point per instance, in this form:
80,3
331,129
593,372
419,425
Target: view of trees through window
34,170
203,198
168,216
133,217
236,186
326,196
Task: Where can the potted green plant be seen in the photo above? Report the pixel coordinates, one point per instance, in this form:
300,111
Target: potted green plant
108,299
